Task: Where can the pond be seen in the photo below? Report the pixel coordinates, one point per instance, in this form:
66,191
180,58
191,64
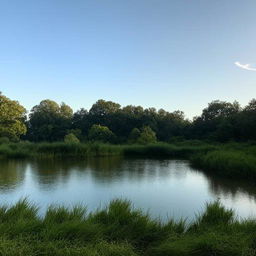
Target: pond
164,188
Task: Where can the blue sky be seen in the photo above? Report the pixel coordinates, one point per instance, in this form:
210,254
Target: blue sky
171,54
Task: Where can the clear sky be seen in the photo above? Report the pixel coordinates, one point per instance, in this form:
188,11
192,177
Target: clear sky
171,54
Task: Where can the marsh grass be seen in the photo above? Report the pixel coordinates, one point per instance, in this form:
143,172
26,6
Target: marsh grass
232,164
234,160
120,229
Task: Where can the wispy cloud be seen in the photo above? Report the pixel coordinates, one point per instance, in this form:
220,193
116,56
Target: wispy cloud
245,66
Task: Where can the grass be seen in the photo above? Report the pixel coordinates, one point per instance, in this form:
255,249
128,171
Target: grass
229,163
119,229
59,149
233,160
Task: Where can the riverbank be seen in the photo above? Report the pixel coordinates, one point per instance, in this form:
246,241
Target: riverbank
233,160
59,149
121,230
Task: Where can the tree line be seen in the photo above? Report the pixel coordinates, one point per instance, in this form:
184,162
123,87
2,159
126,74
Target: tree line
107,121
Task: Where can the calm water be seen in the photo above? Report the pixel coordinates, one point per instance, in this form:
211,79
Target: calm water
165,188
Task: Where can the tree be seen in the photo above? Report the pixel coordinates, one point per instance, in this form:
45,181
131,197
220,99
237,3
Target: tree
81,122
216,121
71,138
251,106
147,135
102,108
101,133
12,118
49,121
218,108
134,135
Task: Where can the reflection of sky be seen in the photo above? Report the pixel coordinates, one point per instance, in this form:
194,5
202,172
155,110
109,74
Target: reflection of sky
162,187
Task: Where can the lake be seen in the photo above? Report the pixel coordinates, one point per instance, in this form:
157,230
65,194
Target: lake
164,188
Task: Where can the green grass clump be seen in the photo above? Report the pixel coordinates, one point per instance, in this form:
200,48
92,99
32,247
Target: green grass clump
121,230
233,164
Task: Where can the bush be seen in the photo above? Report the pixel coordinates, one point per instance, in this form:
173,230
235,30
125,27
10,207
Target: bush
101,134
71,138
147,136
4,140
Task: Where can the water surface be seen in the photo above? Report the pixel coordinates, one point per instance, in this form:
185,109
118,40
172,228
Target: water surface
164,188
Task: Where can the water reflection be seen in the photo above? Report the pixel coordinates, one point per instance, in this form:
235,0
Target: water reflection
162,186
12,174
231,188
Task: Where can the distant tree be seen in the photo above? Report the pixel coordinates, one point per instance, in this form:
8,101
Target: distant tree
102,108
71,138
245,122
12,118
134,135
147,135
49,121
251,106
224,131
100,133
216,121
218,109
81,122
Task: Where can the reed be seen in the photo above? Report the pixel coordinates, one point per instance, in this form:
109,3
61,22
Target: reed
232,164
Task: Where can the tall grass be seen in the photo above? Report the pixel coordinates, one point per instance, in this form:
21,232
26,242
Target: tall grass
166,150
232,164
58,149
119,229
231,160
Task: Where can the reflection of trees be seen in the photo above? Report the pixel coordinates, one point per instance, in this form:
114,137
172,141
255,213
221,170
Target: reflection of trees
224,186
51,172
12,173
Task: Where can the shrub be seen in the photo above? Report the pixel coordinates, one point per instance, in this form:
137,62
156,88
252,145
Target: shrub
71,138
101,134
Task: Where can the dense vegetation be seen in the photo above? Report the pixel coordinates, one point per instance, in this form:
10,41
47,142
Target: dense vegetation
121,230
107,121
62,149
234,160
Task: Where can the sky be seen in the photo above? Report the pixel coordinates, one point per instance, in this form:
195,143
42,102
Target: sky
170,54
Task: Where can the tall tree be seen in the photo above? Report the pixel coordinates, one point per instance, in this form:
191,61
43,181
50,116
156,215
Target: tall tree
49,121
12,118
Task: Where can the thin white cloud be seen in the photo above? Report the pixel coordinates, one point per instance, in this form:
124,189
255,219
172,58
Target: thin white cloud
245,66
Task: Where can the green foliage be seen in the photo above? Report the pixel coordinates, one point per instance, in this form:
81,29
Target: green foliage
147,136
71,138
134,135
100,133
62,149
229,163
215,214
121,230
4,140
49,121
12,118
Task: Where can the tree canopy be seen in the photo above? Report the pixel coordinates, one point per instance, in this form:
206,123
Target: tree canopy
49,121
107,121
12,118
